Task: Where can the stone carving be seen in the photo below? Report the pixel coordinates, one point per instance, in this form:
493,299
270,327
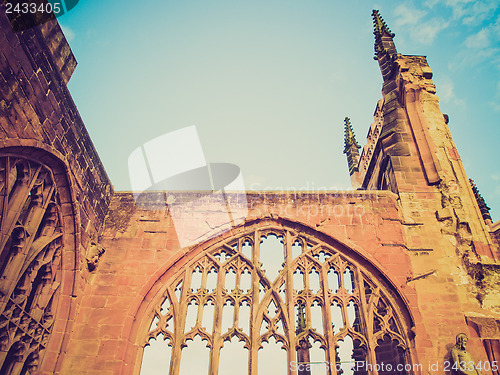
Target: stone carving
483,207
30,244
94,253
312,279
463,364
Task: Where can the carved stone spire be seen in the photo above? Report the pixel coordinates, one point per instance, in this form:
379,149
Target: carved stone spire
385,49
351,147
349,137
485,210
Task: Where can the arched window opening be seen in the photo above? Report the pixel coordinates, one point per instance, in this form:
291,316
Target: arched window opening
30,254
318,359
227,316
233,357
157,356
271,255
191,315
276,298
272,358
296,249
391,355
208,316
345,355
195,357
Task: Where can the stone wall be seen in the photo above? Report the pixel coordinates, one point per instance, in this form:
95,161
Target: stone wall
141,245
40,125
142,250
37,111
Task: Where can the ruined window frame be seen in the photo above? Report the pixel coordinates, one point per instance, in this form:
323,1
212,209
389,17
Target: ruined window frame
31,247
394,324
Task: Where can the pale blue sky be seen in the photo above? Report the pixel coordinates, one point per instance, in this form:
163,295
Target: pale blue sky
268,83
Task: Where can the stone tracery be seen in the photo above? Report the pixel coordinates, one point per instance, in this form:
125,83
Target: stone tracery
353,306
30,244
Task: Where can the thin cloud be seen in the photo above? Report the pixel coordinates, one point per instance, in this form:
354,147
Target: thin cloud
480,48
478,40
430,3
469,12
480,11
420,29
483,43
68,33
458,7
495,104
447,94
408,15
466,60
427,31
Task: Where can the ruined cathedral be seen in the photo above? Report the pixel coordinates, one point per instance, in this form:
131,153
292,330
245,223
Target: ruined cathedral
399,276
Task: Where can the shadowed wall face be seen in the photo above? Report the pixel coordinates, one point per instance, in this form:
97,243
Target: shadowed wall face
31,247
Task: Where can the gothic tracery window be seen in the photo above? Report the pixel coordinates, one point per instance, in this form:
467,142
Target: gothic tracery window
30,245
274,293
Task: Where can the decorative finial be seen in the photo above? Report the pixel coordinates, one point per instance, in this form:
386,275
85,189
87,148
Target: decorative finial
379,24
381,30
349,137
483,207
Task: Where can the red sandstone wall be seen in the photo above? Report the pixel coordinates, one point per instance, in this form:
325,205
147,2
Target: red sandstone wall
39,120
140,246
36,110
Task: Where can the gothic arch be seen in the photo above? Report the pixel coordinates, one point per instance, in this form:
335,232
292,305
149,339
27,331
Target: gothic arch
379,323
385,179
38,256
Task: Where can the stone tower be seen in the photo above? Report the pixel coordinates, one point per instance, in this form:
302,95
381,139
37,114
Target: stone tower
448,233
